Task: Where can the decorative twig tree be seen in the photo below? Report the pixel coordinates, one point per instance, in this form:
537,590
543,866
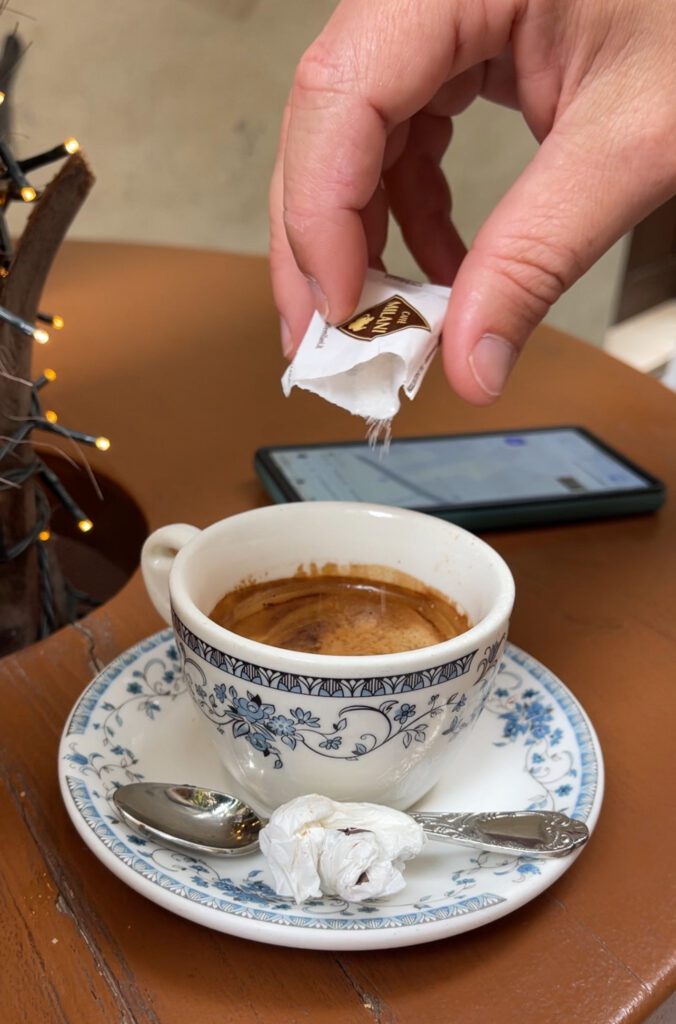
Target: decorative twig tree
33,596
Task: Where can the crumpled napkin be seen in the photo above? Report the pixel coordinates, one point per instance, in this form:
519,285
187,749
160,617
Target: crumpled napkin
356,851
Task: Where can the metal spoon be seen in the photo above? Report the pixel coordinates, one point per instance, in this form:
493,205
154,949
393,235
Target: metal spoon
206,822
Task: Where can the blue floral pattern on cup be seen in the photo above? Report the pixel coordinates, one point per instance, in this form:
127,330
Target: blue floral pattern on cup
344,735
261,725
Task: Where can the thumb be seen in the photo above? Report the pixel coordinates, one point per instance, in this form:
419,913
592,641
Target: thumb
579,194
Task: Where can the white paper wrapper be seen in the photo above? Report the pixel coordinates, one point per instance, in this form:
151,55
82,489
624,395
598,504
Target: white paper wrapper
386,345
315,845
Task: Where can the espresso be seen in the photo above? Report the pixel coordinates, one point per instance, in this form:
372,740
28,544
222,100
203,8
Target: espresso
328,613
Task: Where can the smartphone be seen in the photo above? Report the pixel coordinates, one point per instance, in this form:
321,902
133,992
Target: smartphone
481,481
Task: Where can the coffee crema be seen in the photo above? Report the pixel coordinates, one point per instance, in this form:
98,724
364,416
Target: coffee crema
342,613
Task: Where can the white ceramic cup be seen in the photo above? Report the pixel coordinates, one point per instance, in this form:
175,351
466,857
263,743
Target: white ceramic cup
382,728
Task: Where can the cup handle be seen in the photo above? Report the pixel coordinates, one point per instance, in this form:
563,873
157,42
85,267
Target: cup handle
157,558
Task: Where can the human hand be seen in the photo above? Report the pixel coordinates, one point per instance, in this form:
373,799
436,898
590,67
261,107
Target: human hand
369,118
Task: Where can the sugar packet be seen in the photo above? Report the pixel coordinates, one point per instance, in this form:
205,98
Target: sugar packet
387,344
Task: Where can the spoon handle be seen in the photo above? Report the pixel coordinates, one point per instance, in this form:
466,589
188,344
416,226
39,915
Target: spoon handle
528,833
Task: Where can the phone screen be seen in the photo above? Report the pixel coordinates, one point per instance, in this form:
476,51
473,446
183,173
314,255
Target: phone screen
463,471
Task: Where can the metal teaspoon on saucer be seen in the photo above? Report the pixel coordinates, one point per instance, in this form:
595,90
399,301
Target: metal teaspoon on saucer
204,821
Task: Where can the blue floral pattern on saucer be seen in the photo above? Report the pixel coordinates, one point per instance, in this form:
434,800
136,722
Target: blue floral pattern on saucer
533,747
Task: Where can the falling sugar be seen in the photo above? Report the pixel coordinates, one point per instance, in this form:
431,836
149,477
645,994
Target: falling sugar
379,434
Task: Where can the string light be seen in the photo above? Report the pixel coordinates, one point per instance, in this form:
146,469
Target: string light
2,97
54,320
64,149
44,423
23,325
46,377
14,186
52,481
15,172
25,194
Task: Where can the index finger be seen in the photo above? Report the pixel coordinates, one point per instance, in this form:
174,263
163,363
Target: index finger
375,64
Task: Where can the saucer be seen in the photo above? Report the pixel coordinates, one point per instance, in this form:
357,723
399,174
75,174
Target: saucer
533,747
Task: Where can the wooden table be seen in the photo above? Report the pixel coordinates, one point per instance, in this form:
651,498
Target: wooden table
174,354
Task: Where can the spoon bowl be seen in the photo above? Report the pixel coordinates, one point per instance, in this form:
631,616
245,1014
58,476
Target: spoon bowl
189,818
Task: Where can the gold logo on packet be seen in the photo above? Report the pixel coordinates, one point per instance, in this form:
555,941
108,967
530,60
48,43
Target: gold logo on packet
388,317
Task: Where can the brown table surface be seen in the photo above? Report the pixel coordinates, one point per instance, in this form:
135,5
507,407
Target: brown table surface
174,354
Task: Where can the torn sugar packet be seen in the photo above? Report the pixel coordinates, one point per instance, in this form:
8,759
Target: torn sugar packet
386,345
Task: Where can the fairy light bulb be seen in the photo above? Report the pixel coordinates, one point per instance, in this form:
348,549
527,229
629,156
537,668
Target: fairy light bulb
85,525
71,145
2,97
51,416
28,193
102,443
40,336
49,375
44,535
58,322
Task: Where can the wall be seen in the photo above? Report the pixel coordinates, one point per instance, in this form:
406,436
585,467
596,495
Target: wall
177,103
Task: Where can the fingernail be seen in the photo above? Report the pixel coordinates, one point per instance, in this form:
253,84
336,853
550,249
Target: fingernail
320,300
285,334
491,362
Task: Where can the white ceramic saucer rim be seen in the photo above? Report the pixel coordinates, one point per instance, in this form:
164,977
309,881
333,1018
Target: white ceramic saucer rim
321,935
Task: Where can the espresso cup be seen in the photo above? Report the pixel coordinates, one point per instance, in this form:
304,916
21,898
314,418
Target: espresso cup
381,728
